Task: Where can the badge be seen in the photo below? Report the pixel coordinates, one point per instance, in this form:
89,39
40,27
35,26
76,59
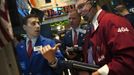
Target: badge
82,31
37,48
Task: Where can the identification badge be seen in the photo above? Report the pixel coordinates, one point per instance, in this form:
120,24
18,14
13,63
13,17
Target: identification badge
37,48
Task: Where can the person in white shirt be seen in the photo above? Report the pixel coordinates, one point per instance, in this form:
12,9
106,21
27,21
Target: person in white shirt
73,40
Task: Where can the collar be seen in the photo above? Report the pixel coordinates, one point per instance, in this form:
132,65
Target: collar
33,40
77,29
95,21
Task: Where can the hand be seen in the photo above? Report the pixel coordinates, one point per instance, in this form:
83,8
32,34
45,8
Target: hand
70,54
96,73
49,53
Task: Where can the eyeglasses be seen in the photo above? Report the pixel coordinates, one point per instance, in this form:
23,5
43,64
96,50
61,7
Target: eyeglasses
80,6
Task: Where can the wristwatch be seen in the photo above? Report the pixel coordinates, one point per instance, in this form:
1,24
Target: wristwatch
54,63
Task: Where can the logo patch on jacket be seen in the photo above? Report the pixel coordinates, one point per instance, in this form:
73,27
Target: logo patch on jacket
101,58
123,29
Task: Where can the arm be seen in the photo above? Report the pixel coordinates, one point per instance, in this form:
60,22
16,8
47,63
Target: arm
120,39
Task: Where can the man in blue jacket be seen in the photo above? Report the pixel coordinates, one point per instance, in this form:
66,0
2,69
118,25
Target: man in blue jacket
29,51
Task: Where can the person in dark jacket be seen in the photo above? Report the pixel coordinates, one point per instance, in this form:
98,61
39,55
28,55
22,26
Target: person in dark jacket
123,11
73,40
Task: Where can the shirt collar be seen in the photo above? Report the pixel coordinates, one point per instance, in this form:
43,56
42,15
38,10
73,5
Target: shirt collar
95,21
77,29
33,40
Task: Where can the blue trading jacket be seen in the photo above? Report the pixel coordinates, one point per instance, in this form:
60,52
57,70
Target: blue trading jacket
36,65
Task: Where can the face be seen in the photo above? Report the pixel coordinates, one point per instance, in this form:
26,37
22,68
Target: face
120,9
74,19
85,9
32,27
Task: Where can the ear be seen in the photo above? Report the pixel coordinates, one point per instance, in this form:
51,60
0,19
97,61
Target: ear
24,27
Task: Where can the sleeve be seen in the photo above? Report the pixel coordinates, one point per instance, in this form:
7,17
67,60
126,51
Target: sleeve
59,57
121,44
63,46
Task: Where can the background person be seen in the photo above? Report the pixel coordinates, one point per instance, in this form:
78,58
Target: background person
123,11
73,40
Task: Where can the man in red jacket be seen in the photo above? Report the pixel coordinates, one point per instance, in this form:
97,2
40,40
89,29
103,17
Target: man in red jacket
112,39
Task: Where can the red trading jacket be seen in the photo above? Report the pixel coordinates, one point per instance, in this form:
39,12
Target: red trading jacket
113,44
